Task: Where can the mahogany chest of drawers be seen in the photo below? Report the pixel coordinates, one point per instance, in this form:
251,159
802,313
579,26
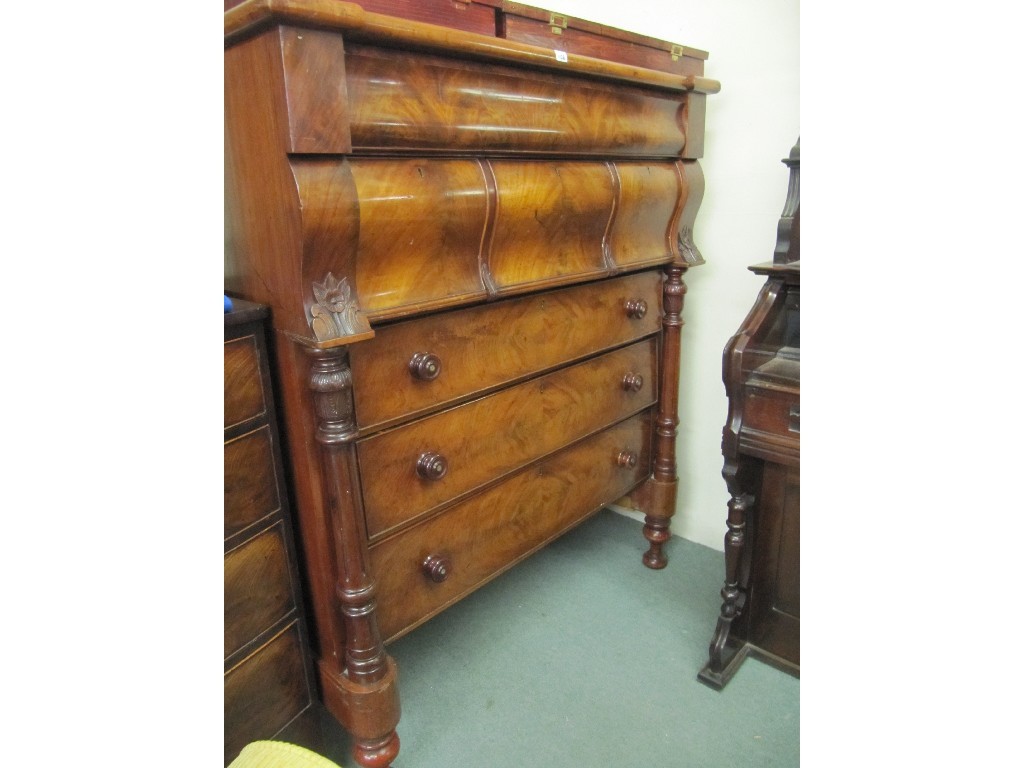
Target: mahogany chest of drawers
473,249
268,679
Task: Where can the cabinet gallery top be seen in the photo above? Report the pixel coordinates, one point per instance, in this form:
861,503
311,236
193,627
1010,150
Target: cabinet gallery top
362,25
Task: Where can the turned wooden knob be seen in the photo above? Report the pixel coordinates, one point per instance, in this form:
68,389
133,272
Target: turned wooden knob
431,466
425,366
627,459
436,568
632,382
636,308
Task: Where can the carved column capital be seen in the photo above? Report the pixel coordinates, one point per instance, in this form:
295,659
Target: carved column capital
330,379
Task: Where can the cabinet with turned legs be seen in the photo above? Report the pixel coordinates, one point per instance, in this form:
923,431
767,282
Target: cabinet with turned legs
474,251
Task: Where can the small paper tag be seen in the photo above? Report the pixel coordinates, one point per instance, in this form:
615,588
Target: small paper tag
561,55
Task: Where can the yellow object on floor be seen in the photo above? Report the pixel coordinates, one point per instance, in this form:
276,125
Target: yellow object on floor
279,754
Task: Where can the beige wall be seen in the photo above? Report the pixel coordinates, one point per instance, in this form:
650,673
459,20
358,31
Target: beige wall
752,123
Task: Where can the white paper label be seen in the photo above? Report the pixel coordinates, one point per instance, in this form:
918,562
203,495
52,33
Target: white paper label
561,55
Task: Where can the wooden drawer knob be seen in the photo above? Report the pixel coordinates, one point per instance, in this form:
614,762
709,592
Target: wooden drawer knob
425,366
627,459
632,382
436,568
431,466
636,308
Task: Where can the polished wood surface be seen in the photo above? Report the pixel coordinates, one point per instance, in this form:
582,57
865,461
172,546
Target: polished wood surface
251,490
491,531
268,667
474,256
760,613
485,347
530,420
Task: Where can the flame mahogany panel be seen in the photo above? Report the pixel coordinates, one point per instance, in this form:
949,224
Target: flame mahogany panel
425,233
257,587
411,101
488,438
485,347
493,530
647,216
552,221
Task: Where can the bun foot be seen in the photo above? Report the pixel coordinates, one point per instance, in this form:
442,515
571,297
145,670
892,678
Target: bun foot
377,754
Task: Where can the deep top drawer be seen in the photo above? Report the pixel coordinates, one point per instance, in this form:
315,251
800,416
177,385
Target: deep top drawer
420,365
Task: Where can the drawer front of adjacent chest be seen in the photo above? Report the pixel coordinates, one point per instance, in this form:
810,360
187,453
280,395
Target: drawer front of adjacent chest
415,468
417,366
426,568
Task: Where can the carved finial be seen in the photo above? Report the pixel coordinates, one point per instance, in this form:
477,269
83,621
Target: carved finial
336,312
787,246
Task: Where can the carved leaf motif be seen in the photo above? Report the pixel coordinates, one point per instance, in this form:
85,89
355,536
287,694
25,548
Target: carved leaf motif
336,312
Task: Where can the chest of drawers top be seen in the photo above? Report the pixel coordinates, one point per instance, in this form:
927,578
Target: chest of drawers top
380,167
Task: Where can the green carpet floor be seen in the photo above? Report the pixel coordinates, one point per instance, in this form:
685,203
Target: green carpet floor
580,656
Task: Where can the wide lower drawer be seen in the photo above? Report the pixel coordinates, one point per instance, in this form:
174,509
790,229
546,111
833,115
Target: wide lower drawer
415,468
419,365
426,568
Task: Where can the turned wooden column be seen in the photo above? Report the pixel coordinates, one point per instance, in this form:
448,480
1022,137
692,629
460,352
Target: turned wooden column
662,486
364,692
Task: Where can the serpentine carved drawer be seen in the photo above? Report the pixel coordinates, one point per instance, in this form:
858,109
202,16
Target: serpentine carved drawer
473,249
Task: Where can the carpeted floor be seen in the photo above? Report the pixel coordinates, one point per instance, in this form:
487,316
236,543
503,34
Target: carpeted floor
580,656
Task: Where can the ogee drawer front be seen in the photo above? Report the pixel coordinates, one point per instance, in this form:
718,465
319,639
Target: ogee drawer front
243,387
476,350
412,469
257,588
428,567
250,483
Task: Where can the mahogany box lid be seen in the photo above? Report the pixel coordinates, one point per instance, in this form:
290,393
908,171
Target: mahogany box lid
542,27
547,29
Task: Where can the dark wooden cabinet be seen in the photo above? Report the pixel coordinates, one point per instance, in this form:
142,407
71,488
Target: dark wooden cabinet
761,444
474,249
268,681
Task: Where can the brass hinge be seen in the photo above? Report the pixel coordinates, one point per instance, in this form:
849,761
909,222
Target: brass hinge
558,23
677,51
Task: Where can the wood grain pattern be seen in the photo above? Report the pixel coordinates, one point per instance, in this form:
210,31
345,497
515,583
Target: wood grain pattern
466,15
552,221
257,588
407,101
264,692
314,72
250,481
646,219
599,44
485,347
485,439
243,388
422,226
491,531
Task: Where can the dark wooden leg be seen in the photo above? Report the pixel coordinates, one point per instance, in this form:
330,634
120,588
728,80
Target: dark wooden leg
361,690
661,488
725,653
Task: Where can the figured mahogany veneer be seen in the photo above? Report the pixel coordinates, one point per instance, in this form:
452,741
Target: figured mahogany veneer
490,532
267,667
529,421
473,248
